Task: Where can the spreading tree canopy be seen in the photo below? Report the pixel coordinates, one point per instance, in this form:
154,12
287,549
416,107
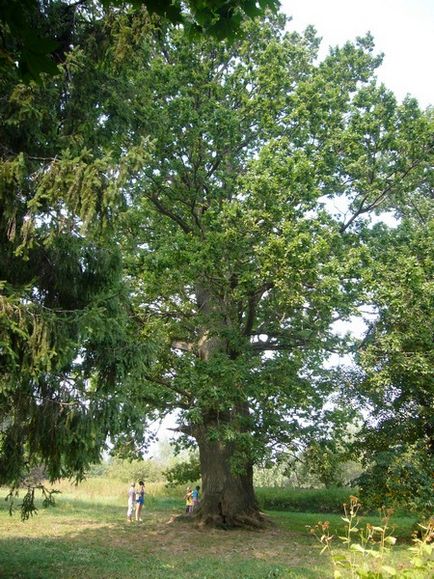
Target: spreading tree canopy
238,255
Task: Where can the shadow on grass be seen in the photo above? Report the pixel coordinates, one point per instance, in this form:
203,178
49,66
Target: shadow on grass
84,538
95,509
122,550
69,556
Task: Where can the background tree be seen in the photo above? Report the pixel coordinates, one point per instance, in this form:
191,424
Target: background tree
397,357
184,472
325,460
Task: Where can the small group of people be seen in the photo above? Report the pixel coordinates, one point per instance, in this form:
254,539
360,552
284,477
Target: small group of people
136,500
192,499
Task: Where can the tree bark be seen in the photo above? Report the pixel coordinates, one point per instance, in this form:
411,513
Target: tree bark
228,498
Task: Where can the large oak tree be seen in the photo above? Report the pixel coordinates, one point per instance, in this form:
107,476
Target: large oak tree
239,258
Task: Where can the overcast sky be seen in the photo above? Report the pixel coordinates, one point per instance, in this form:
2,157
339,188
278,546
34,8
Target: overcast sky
403,30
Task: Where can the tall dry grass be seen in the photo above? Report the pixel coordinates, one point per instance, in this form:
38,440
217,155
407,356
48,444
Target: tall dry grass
111,491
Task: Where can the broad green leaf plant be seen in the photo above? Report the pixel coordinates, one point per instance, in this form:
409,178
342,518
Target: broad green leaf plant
366,551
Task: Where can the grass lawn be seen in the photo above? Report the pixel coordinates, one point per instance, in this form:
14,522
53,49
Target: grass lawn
87,535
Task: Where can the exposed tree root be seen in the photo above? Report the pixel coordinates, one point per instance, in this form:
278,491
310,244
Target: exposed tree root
251,520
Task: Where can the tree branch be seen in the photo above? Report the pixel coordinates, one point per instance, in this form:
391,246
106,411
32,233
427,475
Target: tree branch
183,346
361,210
164,211
169,386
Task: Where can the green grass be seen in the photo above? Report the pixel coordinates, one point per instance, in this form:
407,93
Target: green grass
402,526
86,535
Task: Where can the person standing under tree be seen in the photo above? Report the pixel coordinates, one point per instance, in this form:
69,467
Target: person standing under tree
195,497
188,501
131,501
140,500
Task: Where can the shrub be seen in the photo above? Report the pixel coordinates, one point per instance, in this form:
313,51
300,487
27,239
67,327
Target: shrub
399,479
99,469
183,472
303,500
127,471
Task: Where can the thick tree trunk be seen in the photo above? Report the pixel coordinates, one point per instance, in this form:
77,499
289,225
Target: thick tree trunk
228,498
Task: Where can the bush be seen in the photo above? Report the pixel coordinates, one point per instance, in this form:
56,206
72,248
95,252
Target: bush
399,479
128,471
183,473
99,469
303,500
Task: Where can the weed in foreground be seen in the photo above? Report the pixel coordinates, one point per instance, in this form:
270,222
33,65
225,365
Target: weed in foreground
368,550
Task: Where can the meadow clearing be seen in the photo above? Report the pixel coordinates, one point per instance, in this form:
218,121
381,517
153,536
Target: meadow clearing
87,535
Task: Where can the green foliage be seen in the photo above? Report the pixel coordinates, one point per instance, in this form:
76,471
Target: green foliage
25,40
298,472
66,335
396,359
28,507
368,550
325,460
98,470
128,471
328,500
397,356
398,478
27,36
272,476
183,472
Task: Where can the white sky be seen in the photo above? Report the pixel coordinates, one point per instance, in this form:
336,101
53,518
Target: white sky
403,30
